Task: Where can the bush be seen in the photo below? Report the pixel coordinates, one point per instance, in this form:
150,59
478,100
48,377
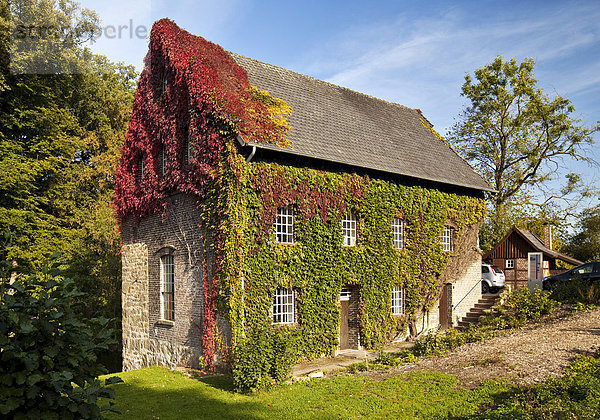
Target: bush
264,360
520,306
577,290
48,355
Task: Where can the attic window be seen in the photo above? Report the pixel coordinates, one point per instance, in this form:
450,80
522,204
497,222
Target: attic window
141,168
163,161
189,149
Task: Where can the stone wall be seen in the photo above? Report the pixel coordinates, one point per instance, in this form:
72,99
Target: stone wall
466,291
148,339
135,305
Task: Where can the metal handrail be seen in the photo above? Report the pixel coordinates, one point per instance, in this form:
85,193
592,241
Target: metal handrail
468,293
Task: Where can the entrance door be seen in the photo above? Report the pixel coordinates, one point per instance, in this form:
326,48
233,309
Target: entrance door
445,306
534,271
344,306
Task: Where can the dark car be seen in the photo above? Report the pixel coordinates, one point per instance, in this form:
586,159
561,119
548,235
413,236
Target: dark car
589,271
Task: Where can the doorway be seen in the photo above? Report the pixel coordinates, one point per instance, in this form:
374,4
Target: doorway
534,270
345,295
445,313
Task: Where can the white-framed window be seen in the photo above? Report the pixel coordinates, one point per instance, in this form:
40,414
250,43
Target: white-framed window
397,300
284,225
349,229
510,263
398,233
167,287
283,306
163,161
446,239
141,168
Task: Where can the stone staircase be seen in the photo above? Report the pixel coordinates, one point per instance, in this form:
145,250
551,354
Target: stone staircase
472,317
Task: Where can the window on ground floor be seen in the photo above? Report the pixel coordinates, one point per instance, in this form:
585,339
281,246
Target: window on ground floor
510,263
397,300
167,287
283,306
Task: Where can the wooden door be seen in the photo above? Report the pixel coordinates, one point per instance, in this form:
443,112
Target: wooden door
444,307
344,307
344,341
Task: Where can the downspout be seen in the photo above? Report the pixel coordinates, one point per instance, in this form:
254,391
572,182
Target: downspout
251,155
243,143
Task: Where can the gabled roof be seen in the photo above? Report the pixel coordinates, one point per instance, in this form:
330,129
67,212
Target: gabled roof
537,244
337,124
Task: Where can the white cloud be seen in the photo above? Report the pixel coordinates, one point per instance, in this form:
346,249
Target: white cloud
420,62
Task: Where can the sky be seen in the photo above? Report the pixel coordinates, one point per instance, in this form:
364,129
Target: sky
412,53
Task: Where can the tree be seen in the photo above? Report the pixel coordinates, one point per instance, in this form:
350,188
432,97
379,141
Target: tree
585,243
61,130
516,137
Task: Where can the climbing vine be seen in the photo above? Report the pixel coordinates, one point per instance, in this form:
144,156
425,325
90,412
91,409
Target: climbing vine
192,90
318,265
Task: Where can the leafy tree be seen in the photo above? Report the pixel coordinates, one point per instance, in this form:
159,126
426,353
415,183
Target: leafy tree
516,137
585,243
48,355
61,129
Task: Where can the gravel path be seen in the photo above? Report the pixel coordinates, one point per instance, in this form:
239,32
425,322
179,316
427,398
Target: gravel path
525,356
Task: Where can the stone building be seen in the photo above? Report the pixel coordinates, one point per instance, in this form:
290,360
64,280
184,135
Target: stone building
360,228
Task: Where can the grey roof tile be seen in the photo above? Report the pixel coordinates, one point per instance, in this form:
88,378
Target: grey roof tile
340,125
538,244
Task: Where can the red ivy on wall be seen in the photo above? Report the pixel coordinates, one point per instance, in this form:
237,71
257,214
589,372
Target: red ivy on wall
190,90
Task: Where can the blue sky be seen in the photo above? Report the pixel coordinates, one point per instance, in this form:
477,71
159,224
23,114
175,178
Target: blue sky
413,53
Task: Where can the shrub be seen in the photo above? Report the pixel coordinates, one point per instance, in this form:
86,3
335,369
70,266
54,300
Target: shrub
520,306
577,290
48,355
264,360
395,359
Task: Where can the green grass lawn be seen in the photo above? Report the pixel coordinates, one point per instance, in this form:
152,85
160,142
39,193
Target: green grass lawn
160,393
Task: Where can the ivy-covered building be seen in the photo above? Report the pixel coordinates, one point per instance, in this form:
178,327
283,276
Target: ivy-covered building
269,217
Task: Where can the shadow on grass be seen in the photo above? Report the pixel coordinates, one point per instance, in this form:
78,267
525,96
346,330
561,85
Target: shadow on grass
172,395
222,382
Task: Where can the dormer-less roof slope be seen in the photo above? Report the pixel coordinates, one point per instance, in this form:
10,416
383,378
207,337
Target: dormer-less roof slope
535,242
538,244
337,124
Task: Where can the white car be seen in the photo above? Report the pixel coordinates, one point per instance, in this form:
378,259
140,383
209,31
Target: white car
492,278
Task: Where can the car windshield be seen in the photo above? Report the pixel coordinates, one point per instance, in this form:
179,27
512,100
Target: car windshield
497,269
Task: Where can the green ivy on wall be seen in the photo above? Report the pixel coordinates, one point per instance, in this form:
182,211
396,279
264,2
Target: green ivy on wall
254,265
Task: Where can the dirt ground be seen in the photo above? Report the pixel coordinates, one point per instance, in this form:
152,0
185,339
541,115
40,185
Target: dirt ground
529,355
